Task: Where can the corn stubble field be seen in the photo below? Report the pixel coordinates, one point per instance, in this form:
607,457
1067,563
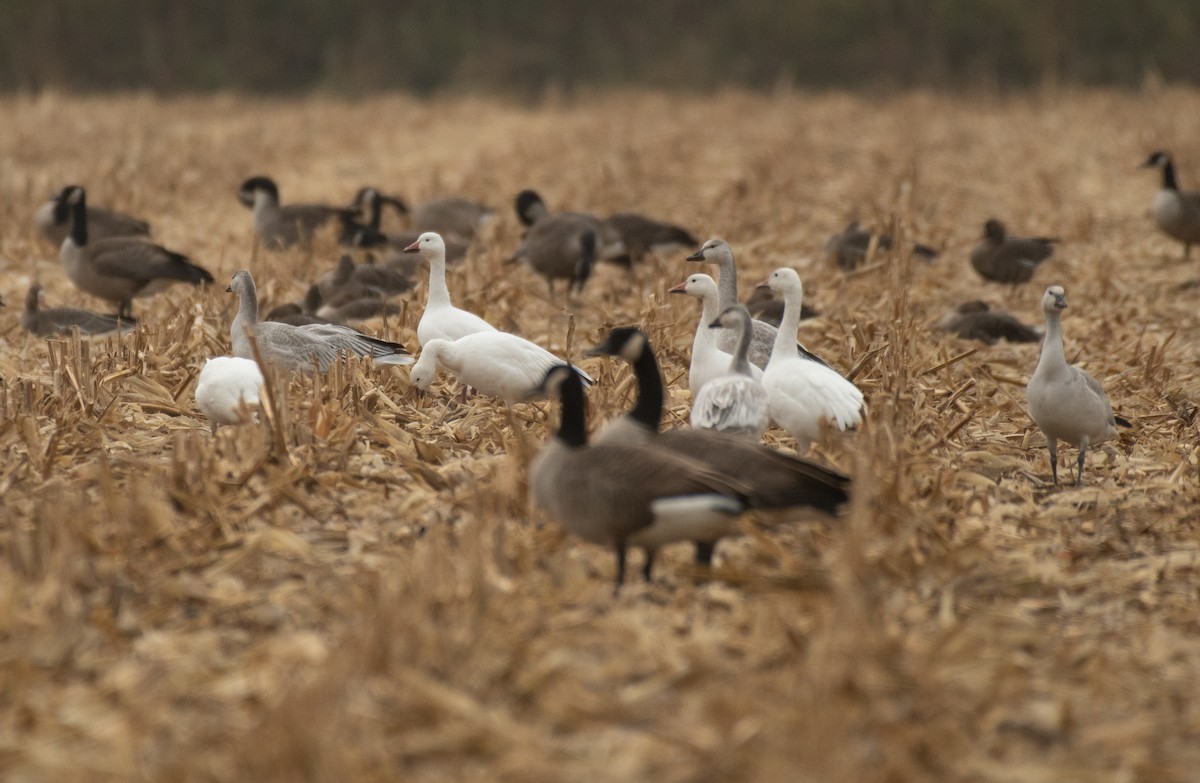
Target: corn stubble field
354,589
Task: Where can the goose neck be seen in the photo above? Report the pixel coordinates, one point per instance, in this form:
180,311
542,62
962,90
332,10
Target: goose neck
439,294
647,410
785,338
1053,356
572,430
79,232
727,295
1168,176
741,353
247,306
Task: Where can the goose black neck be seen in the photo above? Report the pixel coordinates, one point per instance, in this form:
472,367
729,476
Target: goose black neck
1168,171
376,214
647,411
79,232
572,429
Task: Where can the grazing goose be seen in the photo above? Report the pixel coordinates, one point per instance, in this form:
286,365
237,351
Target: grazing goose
227,390
766,307
735,402
717,251
283,226
849,248
803,394
451,217
1065,402
53,220
621,495
62,320
1002,258
298,347
642,235
609,247
561,247
441,319
370,234
708,361
497,364
1176,212
771,478
119,269
976,320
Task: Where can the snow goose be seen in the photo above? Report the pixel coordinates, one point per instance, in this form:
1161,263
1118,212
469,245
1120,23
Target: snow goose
976,320
1003,258
227,390
735,402
717,251
53,220
44,321
803,394
497,364
708,361
1176,212
119,269
298,347
283,226
771,479
1066,402
621,495
441,319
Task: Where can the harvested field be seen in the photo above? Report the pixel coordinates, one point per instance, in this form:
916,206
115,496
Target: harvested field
354,589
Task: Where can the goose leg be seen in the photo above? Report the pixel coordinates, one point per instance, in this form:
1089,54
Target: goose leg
620,547
1052,444
648,566
1083,444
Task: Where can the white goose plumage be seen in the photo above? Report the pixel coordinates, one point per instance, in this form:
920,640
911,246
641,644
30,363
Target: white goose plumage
495,363
801,394
441,319
734,402
227,391
708,361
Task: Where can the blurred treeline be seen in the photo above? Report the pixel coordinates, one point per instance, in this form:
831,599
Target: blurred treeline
525,46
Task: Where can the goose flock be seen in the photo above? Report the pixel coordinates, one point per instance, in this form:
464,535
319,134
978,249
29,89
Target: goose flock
633,484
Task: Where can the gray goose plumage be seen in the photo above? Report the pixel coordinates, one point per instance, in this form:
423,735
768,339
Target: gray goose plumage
735,402
47,321
119,269
621,495
1176,212
53,220
370,234
299,347
1003,258
451,216
849,248
532,210
976,320
279,226
642,235
561,247
1066,402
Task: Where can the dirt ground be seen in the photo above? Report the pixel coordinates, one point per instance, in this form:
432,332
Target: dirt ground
355,589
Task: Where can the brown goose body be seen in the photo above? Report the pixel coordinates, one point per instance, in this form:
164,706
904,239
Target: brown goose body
1003,258
47,321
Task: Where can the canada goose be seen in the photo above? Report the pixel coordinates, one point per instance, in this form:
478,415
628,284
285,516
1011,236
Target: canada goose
976,320
621,495
441,319
707,360
451,216
1003,258
642,235
370,235
801,395
497,364
350,306
765,306
360,280
53,220
532,210
1066,402
561,247
119,269
1176,212
298,347
283,226
718,252
770,479
62,320
228,389
849,248
735,402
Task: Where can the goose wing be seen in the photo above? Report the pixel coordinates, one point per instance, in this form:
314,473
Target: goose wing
734,403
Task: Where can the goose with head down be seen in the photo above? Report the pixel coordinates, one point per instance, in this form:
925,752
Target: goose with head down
495,363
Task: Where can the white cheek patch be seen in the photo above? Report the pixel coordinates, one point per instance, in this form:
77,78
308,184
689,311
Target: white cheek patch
633,348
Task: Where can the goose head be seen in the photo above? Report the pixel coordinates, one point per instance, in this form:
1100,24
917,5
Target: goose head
700,286
422,373
556,378
627,342
735,317
242,284
1158,159
258,187
33,298
429,244
994,230
71,194
783,280
1054,300
530,207
714,251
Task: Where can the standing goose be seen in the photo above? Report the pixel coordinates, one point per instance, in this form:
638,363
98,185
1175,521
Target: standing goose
119,269
1066,402
298,347
708,361
621,495
717,251
803,394
228,390
976,320
642,235
44,322
1003,258
561,247
497,364
770,479
53,220
532,210
441,319
735,402
1176,212
283,226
